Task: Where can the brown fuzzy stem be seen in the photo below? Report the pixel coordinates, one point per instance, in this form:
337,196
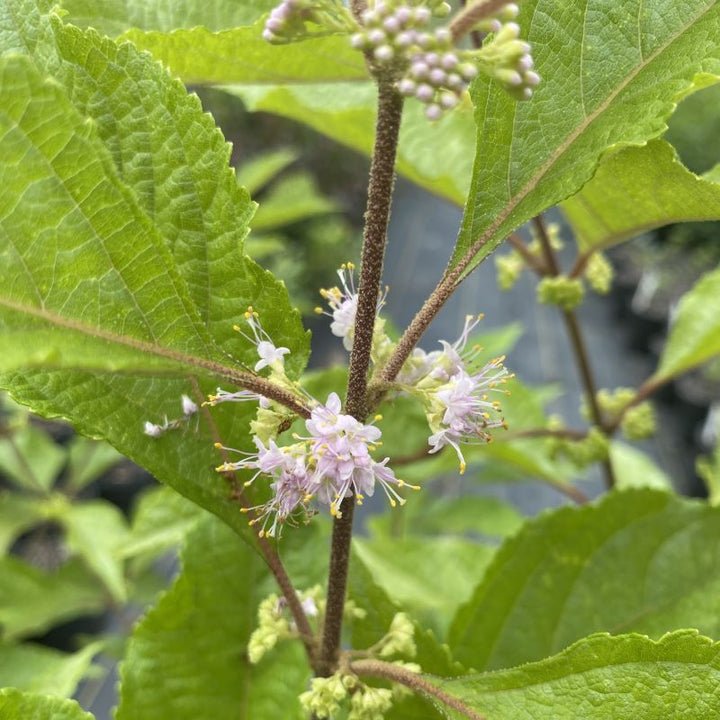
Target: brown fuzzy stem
395,673
377,215
579,347
470,16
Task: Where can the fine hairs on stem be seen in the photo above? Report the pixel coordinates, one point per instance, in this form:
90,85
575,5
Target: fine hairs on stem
377,215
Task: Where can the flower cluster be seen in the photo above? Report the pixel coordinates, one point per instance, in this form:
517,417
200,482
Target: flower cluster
453,389
428,63
455,392
333,462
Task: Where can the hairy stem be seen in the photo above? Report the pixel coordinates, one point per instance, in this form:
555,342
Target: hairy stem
377,215
579,348
471,15
269,554
388,671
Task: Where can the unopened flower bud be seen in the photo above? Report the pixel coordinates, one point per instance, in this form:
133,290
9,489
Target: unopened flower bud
599,273
563,291
639,422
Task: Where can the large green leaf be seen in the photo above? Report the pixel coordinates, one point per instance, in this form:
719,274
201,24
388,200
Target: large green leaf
612,73
429,577
635,190
32,601
640,561
436,156
43,670
195,640
115,16
695,334
432,656
243,56
131,276
96,531
601,678
16,705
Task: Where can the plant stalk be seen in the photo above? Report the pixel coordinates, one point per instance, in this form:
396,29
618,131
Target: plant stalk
388,671
471,15
377,216
579,348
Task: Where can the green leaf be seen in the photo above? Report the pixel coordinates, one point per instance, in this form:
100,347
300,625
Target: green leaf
16,705
637,189
147,222
291,199
114,16
17,514
256,173
428,515
242,55
32,601
36,668
640,561
436,156
432,656
695,333
96,531
195,640
87,461
601,678
634,469
161,522
430,577
31,458
611,74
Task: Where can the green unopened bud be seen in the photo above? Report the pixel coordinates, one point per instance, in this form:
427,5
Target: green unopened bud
266,424
563,291
439,8
639,422
399,639
370,704
509,267
272,626
324,697
594,447
599,273
352,612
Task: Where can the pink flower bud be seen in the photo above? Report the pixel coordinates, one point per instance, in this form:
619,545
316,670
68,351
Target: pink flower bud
449,61
433,112
404,14
407,87
432,59
406,38
422,15
443,36
392,24
437,76
424,93
376,36
531,78
419,70
384,53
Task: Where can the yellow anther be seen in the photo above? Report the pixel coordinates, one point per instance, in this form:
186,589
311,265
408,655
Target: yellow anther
319,310
481,316
218,445
402,501
462,468
220,468
248,483
359,496
392,503
505,425
486,415
378,417
244,511
236,328
372,448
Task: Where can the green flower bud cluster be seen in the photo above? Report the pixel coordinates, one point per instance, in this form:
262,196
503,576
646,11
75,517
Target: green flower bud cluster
399,639
594,447
268,421
274,623
553,235
561,290
599,273
272,627
639,422
613,402
370,703
509,268
325,695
